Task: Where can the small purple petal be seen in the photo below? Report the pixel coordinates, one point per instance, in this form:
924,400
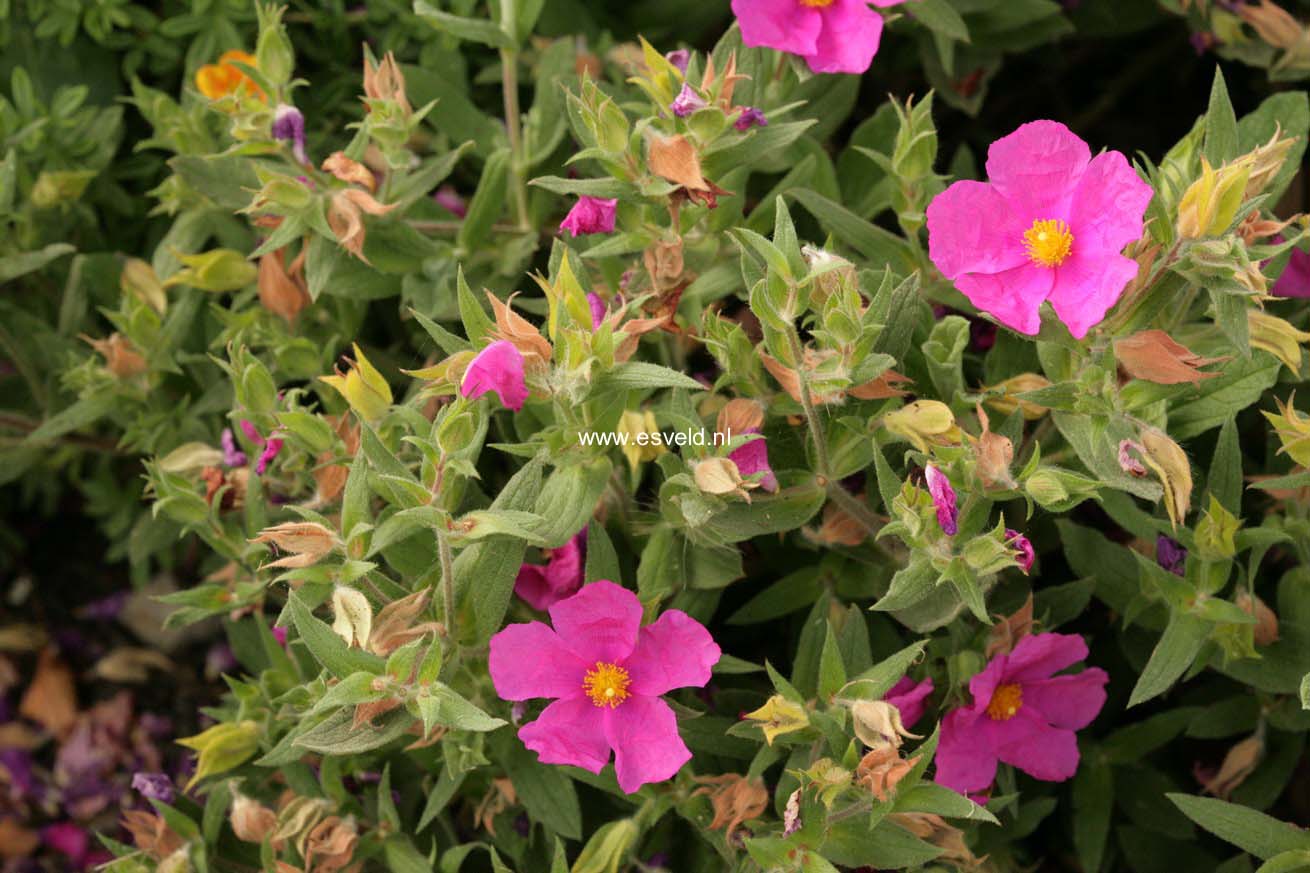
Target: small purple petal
448,198
252,433
590,215
680,58
153,786
1170,554
232,455
687,101
289,126
598,309
271,448
1023,547
750,117
943,498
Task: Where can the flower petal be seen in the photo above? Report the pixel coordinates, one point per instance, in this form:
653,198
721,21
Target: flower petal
964,764
569,732
973,229
532,587
647,747
1036,748
784,25
530,660
1087,285
1069,702
673,652
1109,204
752,458
599,623
908,697
1013,297
1041,656
498,368
984,684
849,38
1037,168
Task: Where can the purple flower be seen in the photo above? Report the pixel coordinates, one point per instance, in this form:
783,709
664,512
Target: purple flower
1023,547
232,456
153,786
1170,554
687,101
544,585
497,368
590,215
289,126
750,117
271,448
280,634
943,498
105,608
680,58
448,198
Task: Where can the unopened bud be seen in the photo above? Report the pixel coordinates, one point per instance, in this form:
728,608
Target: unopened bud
139,280
924,422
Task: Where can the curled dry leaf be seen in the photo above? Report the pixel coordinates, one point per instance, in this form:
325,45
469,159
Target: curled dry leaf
1154,356
735,799
51,698
306,542
1239,763
882,769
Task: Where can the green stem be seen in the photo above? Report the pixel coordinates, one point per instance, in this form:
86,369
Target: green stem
447,581
811,414
854,507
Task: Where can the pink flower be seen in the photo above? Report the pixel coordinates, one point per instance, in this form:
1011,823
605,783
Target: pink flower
752,458
271,446
834,36
590,215
498,368
1050,225
943,498
1022,714
605,674
450,200
1294,281
598,309
543,585
687,101
232,456
1023,549
680,58
908,696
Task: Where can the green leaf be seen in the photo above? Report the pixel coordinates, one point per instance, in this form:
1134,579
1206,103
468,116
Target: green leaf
1093,805
940,800
13,266
1215,401
639,375
873,242
876,681
1249,830
911,584
1221,144
337,734
470,29
440,704
602,561
403,857
940,17
75,417
546,792
327,648
1225,479
487,204
1178,647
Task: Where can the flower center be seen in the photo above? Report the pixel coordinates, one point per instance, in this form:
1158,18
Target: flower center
606,684
1048,241
816,4
1007,700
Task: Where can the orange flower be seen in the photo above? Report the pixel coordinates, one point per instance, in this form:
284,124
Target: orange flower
224,78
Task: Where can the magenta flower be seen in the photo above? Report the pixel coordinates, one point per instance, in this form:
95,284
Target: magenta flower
153,786
289,126
544,585
680,58
605,674
943,498
590,215
498,368
1170,554
1294,281
687,101
1050,225
752,458
750,117
1024,553
833,36
1022,714
450,200
598,309
270,446
908,697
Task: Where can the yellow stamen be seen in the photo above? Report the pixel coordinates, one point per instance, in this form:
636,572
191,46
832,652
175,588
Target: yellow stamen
1006,702
816,4
606,684
1048,241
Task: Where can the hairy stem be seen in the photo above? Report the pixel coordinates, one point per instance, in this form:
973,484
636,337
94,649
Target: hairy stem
811,414
509,83
447,581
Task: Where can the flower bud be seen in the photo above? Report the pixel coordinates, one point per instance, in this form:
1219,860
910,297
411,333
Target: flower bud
289,127
1277,337
363,386
878,725
1211,202
1020,384
943,500
1266,620
636,447
54,187
779,716
221,748
139,280
251,821
1169,462
988,553
720,476
923,422
121,357
881,770
273,53
279,293
216,270
1266,162
1215,532
993,454
353,616
739,416
1274,24
383,80
1045,487
308,542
